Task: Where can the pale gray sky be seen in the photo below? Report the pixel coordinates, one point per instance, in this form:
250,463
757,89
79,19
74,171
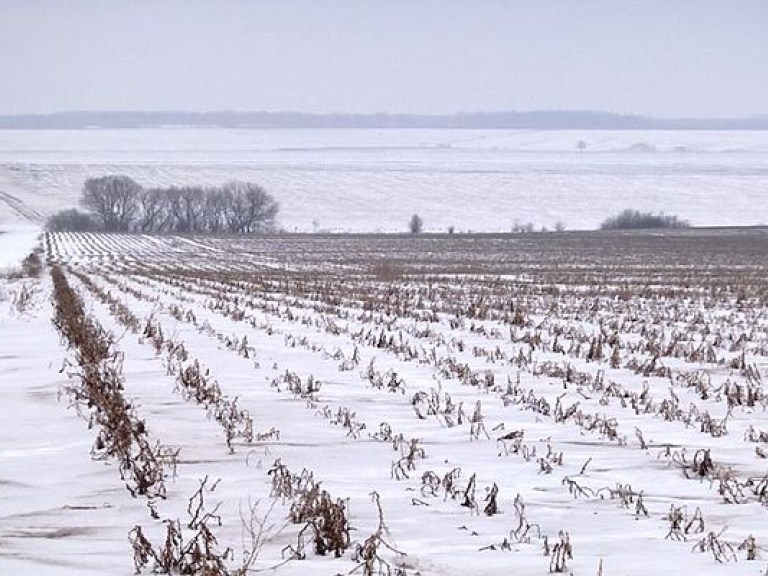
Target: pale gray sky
655,57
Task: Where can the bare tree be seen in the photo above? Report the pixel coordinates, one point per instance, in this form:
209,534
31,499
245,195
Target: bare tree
154,214
216,202
250,208
187,207
114,200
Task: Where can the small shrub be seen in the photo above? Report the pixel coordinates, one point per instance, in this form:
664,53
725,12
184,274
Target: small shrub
522,228
31,266
71,220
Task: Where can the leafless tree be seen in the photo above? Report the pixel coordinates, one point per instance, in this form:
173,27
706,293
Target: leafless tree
114,201
216,204
250,208
187,206
154,215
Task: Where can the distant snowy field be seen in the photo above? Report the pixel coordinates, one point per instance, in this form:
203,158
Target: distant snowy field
374,180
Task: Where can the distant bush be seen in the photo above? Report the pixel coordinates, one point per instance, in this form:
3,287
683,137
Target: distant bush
71,220
416,224
522,227
32,265
635,220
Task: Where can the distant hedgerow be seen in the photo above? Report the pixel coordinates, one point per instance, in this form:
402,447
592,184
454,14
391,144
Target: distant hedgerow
635,220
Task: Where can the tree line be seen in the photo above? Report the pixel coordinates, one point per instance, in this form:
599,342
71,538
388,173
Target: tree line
636,220
119,204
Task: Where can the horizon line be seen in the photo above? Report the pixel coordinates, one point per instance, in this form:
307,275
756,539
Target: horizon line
459,113
499,120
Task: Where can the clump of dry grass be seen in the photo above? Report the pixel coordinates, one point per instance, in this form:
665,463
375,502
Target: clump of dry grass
368,554
721,550
190,549
325,519
561,552
31,266
410,451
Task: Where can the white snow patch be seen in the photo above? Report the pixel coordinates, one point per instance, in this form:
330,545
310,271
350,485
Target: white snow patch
17,240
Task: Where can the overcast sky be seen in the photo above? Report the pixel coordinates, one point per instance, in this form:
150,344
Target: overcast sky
655,57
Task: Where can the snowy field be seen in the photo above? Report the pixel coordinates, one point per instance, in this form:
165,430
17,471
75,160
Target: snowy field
374,180
581,403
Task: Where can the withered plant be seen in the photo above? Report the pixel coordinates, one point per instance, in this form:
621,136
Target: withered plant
368,553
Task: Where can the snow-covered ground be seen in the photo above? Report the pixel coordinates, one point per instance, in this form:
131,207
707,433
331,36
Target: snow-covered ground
584,376
17,240
374,180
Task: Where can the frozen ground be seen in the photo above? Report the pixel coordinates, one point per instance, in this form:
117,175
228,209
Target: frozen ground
17,240
583,375
374,180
